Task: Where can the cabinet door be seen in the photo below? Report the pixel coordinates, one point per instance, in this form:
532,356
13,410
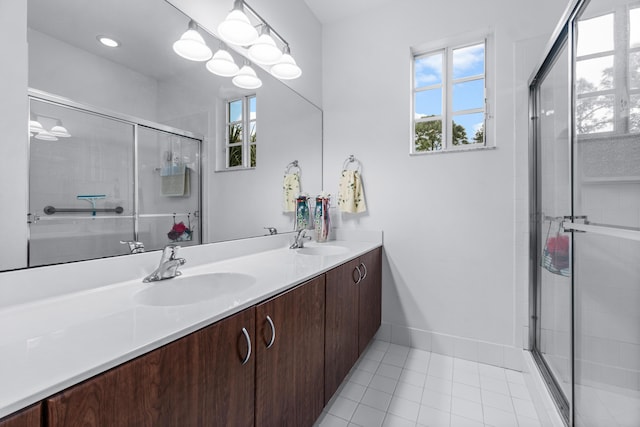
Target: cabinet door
370,301
228,384
290,357
194,381
341,333
29,417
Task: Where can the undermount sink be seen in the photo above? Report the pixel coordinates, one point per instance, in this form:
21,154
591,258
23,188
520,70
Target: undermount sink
185,290
324,250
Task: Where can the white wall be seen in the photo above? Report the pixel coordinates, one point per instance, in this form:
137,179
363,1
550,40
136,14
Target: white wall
61,69
448,219
292,19
13,142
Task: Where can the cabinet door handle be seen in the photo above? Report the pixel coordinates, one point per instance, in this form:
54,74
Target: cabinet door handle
273,332
248,338
359,275
364,267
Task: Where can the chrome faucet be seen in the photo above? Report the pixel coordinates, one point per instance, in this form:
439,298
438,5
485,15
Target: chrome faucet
298,243
168,267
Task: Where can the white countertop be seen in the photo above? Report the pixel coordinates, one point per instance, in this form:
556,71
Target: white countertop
52,343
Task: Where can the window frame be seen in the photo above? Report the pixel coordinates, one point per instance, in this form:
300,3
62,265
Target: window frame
247,144
446,49
622,89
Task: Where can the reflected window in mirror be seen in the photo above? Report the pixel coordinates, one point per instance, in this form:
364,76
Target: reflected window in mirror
241,140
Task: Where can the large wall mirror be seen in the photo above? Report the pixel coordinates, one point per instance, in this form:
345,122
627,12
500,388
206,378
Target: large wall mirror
138,116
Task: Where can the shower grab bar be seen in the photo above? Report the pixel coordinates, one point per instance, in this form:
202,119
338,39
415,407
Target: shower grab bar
628,233
50,210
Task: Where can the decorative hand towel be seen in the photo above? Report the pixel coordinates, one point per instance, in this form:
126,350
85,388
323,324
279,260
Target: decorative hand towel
175,181
291,189
351,192
321,217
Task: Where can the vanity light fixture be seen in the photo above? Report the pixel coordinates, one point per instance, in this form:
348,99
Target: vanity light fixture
236,28
59,130
262,50
286,68
191,45
222,63
247,78
108,41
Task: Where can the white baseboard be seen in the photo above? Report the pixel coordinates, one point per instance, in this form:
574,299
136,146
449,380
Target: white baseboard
464,348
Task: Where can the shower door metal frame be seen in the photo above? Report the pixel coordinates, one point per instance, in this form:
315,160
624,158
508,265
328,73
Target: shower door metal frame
564,35
135,122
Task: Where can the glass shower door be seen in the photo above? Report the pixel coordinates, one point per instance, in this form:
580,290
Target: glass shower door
553,271
607,193
81,186
168,188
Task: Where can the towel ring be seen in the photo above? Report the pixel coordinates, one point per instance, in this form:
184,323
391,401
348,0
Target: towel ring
291,166
351,159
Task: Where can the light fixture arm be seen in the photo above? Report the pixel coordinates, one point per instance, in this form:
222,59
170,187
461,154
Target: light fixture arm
259,18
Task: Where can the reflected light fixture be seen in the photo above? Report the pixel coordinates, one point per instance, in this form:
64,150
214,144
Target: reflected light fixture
191,45
34,125
108,41
222,63
264,51
247,78
46,136
59,130
286,68
236,28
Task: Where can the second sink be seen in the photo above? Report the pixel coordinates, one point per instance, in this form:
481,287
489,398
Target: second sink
185,290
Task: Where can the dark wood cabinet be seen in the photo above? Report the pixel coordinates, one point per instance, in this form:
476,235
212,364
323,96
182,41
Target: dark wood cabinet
370,295
290,356
341,333
195,381
28,417
353,315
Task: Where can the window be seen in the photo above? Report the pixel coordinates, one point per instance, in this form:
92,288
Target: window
449,98
608,73
241,140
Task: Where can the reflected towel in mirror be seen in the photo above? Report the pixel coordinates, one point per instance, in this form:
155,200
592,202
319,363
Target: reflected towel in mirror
175,181
291,189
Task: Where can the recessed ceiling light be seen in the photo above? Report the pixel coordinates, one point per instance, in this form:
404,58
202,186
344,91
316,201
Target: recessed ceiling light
108,41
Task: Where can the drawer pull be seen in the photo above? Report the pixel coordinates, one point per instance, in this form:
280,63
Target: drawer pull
273,332
246,336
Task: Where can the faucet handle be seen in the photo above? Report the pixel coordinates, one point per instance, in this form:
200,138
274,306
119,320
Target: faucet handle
134,247
272,230
170,251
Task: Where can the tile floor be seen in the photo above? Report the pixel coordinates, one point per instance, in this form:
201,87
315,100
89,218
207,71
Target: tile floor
398,386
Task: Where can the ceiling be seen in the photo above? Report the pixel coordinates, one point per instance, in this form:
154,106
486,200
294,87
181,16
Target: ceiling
328,11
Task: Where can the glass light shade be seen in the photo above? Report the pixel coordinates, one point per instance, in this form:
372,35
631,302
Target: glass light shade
60,131
286,69
35,126
192,46
237,29
46,136
247,78
222,64
264,51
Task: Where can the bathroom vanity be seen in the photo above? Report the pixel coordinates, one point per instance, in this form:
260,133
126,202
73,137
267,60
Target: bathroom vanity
274,358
